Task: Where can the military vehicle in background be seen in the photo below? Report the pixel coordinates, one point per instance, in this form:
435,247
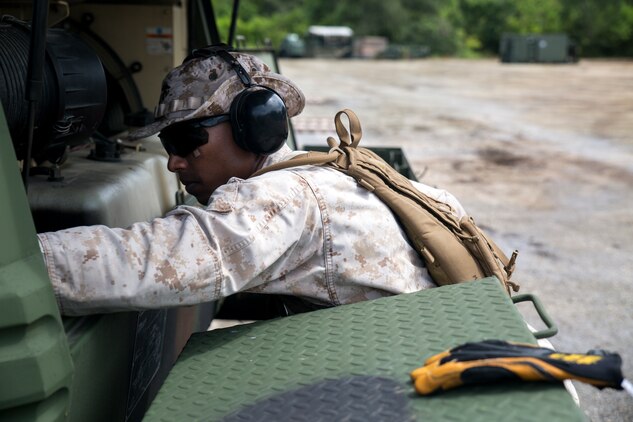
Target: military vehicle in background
320,41
292,45
329,41
74,77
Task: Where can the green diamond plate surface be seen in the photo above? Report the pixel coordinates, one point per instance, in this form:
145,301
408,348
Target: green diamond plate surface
331,364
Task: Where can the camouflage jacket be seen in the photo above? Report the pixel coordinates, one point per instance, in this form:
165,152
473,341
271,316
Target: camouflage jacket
305,231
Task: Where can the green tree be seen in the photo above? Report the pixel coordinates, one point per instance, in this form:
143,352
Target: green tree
535,17
483,22
263,21
600,27
418,22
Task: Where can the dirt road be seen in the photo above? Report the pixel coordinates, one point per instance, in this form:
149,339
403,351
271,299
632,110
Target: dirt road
540,155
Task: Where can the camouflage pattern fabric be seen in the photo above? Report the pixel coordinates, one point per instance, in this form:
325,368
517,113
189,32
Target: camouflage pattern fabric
205,87
310,231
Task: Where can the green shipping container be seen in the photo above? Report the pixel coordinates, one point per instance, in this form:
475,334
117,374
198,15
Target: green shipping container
537,48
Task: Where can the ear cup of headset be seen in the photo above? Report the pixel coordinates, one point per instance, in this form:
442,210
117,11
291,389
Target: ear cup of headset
259,120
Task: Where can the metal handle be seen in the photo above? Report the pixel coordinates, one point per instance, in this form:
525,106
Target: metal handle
551,329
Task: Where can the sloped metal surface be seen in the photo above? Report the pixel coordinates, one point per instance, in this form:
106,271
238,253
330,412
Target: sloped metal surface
246,372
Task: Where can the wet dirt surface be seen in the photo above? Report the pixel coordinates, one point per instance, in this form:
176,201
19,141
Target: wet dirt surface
540,155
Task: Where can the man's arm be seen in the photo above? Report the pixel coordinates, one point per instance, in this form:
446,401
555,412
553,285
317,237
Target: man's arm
166,262
250,234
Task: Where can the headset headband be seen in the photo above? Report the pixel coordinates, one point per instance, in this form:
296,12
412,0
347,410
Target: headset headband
258,115
222,51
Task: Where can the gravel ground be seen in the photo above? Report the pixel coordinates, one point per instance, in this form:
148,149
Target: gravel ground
540,155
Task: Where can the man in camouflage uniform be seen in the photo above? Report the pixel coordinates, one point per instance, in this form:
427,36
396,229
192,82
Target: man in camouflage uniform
309,232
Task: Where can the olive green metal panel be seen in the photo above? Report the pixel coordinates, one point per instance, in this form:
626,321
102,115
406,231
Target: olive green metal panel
35,365
337,363
16,225
100,347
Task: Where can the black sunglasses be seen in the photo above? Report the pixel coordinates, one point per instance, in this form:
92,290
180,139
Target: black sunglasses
183,138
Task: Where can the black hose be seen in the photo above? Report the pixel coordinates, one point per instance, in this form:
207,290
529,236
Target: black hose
13,66
72,95
34,80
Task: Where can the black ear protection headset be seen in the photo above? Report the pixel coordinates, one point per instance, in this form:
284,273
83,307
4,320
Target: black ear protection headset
258,115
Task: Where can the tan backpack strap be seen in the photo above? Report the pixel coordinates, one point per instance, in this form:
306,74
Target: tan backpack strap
351,138
310,158
454,250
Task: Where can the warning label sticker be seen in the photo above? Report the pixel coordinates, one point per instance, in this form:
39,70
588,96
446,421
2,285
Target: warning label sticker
159,40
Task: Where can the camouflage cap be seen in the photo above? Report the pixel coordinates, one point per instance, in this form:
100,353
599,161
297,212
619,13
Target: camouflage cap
204,87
